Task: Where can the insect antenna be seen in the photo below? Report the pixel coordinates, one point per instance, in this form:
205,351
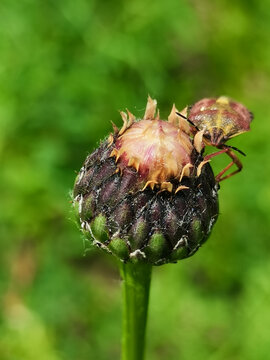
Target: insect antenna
184,117
235,148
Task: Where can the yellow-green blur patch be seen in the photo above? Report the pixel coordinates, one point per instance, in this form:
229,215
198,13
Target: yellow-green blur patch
157,247
119,248
197,232
99,229
179,253
139,236
87,212
75,213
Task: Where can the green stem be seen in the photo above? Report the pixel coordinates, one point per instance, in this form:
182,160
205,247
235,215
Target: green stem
136,285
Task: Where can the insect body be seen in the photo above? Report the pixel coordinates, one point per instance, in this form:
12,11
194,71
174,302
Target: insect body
215,121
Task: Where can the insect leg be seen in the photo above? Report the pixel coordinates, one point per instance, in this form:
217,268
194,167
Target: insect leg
210,156
218,177
235,161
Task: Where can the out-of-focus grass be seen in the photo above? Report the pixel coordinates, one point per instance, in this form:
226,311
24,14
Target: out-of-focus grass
66,68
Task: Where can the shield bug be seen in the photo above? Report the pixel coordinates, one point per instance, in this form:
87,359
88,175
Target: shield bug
214,121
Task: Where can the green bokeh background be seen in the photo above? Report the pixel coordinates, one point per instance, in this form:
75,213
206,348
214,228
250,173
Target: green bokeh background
66,68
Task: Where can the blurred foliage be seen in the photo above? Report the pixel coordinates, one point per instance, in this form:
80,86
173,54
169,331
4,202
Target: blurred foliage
66,68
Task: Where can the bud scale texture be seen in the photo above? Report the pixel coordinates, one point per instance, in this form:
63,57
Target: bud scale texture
143,212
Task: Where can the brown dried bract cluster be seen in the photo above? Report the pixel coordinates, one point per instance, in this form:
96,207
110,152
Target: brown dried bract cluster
160,151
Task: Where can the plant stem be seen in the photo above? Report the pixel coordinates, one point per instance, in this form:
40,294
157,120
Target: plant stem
136,286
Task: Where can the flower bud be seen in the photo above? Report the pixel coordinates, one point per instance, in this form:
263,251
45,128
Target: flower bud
146,194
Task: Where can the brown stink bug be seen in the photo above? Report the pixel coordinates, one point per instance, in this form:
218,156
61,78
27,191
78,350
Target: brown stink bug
214,121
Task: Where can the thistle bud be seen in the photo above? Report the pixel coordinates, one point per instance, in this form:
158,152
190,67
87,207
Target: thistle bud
146,194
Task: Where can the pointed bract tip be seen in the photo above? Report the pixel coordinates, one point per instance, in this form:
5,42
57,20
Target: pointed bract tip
201,165
124,118
181,187
166,185
150,109
224,100
115,128
173,118
183,124
131,118
110,140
